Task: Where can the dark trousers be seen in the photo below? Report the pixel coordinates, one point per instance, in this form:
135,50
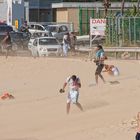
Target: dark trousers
138,136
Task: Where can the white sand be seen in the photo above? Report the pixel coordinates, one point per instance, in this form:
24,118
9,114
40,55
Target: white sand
38,112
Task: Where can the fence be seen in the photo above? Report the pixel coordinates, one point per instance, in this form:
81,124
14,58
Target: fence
86,13
123,31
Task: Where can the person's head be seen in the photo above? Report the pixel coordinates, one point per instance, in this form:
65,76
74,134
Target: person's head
25,23
73,77
106,67
99,47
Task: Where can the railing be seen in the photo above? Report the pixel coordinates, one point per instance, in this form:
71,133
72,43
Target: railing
115,50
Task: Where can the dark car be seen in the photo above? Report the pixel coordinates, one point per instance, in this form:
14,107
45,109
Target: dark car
3,30
19,40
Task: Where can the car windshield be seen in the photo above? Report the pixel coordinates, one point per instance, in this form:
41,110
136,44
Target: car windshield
48,41
52,28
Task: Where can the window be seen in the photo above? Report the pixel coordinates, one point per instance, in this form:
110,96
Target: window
63,29
37,27
45,41
40,28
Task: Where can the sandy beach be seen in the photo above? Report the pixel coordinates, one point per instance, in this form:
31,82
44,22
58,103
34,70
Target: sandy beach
38,111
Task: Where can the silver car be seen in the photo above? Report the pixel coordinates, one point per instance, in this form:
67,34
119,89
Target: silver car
44,46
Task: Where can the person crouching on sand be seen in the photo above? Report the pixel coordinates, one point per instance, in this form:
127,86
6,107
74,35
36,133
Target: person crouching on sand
74,84
111,70
99,60
6,96
138,127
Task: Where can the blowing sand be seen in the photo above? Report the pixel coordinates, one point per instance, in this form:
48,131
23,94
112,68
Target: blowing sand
38,110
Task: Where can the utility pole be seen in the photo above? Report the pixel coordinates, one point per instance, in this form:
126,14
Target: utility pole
106,4
122,8
138,6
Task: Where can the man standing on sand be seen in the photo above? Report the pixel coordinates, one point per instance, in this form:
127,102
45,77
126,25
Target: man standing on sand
99,60
73,94
66,44
138,127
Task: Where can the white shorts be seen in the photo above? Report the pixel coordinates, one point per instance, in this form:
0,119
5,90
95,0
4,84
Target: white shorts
73,97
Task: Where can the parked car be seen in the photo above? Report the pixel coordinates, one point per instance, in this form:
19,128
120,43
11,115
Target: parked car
39,34
58,31
44,46
19,44
19,40
37,28
3,30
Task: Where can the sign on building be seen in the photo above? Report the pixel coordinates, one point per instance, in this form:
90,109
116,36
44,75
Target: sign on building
97,26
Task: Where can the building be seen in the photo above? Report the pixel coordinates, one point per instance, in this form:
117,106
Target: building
69,10
11,11
80,12
41,10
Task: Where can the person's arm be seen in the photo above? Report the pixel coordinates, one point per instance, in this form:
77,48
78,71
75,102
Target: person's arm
79,83
138,122
64,86
105,70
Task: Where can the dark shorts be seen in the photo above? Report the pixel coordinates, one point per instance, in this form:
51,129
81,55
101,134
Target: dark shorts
99,69
138,136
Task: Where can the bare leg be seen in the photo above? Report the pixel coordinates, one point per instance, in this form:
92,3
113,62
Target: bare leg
96,78
68,108
6,54
102,77
79,106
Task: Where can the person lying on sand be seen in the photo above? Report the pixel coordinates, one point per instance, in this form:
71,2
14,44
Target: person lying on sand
138,127
111,69
6,96
73,94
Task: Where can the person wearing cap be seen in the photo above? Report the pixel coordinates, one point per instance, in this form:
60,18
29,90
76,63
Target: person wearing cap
99,60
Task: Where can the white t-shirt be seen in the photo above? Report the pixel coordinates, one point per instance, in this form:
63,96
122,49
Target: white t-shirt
73,85
65,38
115,71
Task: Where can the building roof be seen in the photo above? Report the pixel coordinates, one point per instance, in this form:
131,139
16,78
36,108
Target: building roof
89,4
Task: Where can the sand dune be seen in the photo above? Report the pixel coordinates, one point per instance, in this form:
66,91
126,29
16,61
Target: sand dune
38,112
